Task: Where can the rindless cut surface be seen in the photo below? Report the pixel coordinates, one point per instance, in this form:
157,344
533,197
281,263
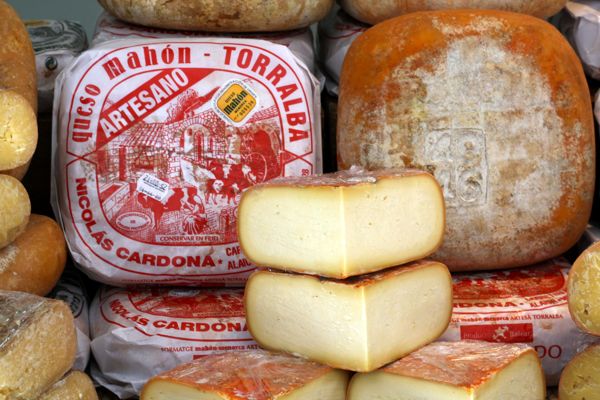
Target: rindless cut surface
357,324
495,105
580,379
466,370
37,344
583,289
254,374
343,224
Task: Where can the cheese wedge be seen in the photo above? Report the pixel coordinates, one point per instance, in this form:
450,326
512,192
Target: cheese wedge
15,209
583,290
456,371
358,324
580,379
254,374
37,344
74,386
343,224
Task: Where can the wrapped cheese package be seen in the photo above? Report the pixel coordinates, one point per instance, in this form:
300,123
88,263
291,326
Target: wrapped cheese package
137,334
155,140
527,305
74,386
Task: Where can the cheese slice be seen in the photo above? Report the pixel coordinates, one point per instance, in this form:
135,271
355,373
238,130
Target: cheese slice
343,224
253,374
456,371
74,386
15,209
583,290
358,324
580,379
37,344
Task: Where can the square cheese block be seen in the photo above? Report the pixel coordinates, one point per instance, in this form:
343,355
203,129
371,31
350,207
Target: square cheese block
37,344
583,290
456,371
358,324
343,224
495,105
580,379
252,374
74,386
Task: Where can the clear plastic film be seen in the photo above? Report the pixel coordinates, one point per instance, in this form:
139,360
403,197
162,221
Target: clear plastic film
16,309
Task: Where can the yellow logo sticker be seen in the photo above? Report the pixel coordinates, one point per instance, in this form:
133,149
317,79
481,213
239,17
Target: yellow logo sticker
235,102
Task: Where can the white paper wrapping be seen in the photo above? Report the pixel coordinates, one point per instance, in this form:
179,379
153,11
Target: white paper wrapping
140,333
70,289
580,23
154,142
56,45
527,305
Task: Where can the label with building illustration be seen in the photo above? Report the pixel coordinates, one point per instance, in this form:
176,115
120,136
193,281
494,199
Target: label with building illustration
157,139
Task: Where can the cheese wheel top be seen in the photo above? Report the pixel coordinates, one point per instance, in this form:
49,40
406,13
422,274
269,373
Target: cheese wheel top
465,364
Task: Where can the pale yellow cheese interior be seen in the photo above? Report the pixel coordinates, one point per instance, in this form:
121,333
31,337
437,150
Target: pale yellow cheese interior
341,231
584,291
74,386
18,130
580,380
520,380
357,328
331,386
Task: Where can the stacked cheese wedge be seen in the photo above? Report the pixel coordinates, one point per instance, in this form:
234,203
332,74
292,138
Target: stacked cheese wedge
37,348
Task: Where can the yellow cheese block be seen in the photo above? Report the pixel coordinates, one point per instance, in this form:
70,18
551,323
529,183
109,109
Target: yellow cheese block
457,371
254,374
357,324
15,208
583,290
580,379
343,224
37,344
74,386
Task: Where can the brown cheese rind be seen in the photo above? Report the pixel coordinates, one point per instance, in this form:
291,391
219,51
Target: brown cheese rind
223,16
74,386
374,12
496,106
36,259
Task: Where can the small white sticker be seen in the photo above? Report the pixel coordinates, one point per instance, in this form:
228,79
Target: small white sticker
153,187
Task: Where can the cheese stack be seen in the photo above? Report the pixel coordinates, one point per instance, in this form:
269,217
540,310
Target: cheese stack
336,296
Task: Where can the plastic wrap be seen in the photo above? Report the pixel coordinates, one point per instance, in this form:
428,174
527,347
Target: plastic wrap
70,289
16,309
256,375
580,23
137,334
337,32
527,305
56,45
154,142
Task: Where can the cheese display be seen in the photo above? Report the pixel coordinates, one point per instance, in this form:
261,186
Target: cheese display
257,375
18,95
37,344
155,141
496,106
74,386
527,305
581,378
56,45
373,13
299,41
584,290
71,290
342,224
232,16
15,209
336,33
357,324
467,370
167,326
36,259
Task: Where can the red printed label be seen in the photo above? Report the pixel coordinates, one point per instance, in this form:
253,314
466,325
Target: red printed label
507,333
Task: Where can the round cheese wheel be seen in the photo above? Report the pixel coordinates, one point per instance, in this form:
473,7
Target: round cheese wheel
580,379
18,131
376,11
496,106
15,208
584,290
36,259
221,16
